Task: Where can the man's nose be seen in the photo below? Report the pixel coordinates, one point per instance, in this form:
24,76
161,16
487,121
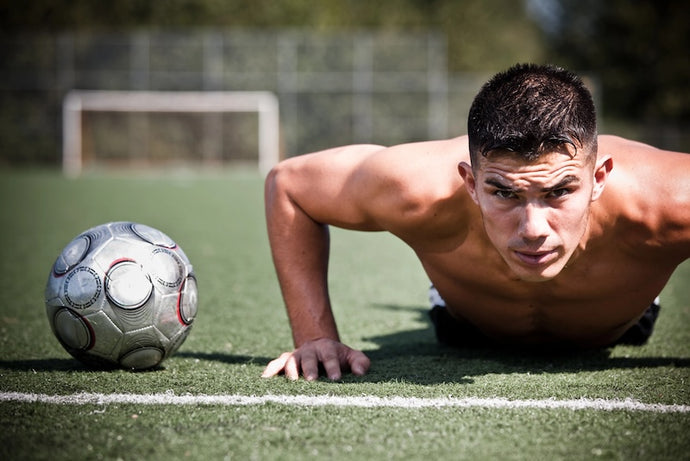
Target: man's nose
534,224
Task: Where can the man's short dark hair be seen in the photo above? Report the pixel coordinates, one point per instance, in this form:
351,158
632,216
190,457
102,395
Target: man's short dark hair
530,109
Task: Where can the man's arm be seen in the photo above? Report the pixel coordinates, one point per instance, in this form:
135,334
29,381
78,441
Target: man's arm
303,195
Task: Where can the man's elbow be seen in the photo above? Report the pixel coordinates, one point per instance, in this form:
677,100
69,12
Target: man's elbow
275,180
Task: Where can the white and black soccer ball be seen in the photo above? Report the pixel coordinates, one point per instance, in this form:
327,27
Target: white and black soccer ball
121,294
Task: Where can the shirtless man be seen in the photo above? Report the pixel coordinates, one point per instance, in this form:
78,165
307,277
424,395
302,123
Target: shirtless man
532,229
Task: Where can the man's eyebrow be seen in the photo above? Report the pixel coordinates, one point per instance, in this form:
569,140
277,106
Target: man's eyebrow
570,179
497,184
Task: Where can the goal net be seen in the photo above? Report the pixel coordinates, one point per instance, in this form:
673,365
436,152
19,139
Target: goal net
160,128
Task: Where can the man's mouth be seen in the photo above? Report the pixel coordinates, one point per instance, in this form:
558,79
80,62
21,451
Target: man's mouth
536,258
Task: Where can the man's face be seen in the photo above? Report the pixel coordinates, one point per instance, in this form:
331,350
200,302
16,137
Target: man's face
535,213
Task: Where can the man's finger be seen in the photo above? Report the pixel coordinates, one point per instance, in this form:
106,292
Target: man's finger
359,363
291,368
275,366
331,365
310,367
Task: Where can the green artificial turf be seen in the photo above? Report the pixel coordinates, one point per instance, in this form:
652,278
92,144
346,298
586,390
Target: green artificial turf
379,295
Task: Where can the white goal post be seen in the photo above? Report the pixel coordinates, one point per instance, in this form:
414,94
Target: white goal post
262,102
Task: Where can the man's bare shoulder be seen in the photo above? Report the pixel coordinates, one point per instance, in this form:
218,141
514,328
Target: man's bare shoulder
653,170
636,151
421,163
649,191
370,187
413,182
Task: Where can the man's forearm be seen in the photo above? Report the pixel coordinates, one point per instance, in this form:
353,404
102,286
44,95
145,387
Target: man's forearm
300,250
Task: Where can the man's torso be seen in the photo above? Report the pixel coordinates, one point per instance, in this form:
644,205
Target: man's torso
589,304
606,287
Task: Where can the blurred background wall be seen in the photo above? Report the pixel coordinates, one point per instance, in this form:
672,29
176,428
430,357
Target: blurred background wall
344,71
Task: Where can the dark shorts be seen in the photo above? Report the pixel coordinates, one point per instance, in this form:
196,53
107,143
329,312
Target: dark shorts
452,332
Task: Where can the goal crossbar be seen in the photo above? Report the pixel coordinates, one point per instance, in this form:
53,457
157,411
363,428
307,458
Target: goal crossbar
262,102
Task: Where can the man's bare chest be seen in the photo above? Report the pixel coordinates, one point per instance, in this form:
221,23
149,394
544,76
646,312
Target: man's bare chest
597,296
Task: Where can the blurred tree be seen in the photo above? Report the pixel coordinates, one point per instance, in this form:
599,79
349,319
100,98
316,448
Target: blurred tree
639,49
482,34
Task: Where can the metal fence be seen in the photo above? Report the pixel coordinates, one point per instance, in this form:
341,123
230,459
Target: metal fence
333,88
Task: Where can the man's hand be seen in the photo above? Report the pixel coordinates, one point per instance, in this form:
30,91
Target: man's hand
334,356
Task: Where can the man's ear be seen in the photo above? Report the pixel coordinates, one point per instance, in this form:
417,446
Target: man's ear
467,176
601,173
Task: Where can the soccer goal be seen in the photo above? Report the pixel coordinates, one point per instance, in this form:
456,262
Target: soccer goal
204,130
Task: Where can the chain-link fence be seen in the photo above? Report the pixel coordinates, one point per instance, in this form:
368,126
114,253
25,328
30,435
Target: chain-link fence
333,88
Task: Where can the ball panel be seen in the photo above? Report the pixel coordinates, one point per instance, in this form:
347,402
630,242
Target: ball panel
82,287
177,340
52,293
166,268
153,236
181,254
142,358
72,255
167,319
99,235
141,337
72,330
187,304
133,320
119,250
108,336
127,286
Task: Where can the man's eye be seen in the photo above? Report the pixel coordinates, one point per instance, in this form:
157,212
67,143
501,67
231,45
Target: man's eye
558,193
502,193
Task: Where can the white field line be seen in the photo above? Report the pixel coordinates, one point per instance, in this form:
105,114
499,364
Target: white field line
170,398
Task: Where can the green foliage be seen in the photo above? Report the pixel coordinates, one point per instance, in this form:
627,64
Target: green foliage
638,49
635,52
482,34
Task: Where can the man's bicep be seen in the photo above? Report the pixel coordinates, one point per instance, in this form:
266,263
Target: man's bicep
331,187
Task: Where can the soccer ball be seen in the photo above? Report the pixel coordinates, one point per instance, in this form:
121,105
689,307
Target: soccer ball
121,294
